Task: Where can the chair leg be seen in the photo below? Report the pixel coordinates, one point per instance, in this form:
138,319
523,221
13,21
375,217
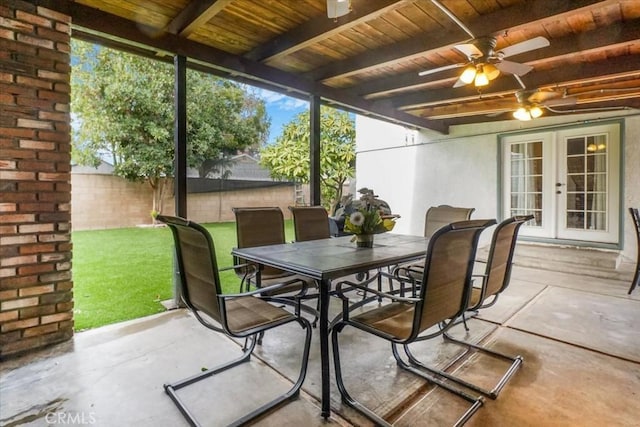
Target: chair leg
355,404
293,392
346,397
493,393
171,389
636,279
464,321
476,402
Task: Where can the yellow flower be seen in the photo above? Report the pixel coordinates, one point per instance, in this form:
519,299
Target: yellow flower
367,221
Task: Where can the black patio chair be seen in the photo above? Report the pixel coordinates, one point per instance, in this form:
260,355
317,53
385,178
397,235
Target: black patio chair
310,222
443,296
435,218
636,223
243,315
497,274
439,216
260,226
484,294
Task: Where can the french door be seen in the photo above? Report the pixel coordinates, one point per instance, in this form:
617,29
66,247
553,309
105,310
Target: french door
568,179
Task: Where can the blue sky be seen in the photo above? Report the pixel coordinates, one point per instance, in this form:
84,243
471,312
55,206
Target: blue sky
281,108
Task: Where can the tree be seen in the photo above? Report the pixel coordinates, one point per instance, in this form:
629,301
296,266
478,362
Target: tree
124,109
288,158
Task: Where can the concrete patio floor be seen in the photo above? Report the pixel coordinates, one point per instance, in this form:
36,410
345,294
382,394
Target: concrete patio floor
579,337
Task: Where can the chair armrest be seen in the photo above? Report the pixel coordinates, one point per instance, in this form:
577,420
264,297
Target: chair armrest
234,267
362,286
403,271
250,271
255,292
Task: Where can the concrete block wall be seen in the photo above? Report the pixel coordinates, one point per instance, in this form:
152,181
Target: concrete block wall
216,207
36,299
106,201
101,201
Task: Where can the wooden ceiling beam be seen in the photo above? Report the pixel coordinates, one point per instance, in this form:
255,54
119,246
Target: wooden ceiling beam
477,108
197,13
136,34
510,18
319,29
600,39
583,73
555,112
510,103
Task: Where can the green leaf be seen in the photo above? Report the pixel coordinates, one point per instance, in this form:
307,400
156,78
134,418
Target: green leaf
288,158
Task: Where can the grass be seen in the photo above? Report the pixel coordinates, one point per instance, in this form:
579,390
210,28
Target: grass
124,274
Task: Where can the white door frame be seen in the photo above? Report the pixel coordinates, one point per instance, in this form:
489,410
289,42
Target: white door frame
610,133
550,207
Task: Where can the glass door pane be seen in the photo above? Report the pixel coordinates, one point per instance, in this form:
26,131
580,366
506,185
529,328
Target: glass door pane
526,180
586,196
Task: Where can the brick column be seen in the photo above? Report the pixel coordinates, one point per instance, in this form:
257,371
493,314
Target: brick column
36,298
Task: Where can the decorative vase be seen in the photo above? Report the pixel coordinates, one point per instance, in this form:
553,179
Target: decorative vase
364,240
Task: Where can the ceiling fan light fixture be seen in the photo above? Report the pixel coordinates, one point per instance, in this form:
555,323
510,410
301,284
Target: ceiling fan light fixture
491,71
535,111
481,78
522,114
468,74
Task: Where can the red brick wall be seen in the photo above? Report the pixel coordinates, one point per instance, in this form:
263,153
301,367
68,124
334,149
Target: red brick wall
36,299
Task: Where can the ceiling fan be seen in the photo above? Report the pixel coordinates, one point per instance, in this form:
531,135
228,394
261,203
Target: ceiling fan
485,64
530,103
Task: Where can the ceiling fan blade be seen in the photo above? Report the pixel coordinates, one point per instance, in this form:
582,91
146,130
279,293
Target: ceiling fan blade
525,46
495,114
469,50
570,100
437,70
542,96
513,68
459,83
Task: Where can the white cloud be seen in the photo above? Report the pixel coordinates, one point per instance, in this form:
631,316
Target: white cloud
280,101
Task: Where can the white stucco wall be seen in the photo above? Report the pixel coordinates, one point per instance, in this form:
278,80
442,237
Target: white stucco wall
413,170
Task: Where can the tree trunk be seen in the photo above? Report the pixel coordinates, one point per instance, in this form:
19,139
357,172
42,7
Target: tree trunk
158,186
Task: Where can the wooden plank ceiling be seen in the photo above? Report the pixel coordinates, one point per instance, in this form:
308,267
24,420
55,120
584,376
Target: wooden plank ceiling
369,59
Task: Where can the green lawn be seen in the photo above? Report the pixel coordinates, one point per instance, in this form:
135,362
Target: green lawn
124,273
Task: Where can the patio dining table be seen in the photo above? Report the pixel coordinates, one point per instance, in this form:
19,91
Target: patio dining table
325,260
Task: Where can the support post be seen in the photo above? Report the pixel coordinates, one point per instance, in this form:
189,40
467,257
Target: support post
314,147
180,158
180,135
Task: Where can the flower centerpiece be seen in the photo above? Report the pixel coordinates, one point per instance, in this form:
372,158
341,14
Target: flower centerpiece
371,216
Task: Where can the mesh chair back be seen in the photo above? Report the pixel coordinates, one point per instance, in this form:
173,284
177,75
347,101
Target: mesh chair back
310,222
199,278
447,272
501,252
439,216
259,227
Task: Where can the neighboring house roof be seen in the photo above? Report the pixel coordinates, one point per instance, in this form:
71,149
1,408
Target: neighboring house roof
103,168
248,168
243,168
